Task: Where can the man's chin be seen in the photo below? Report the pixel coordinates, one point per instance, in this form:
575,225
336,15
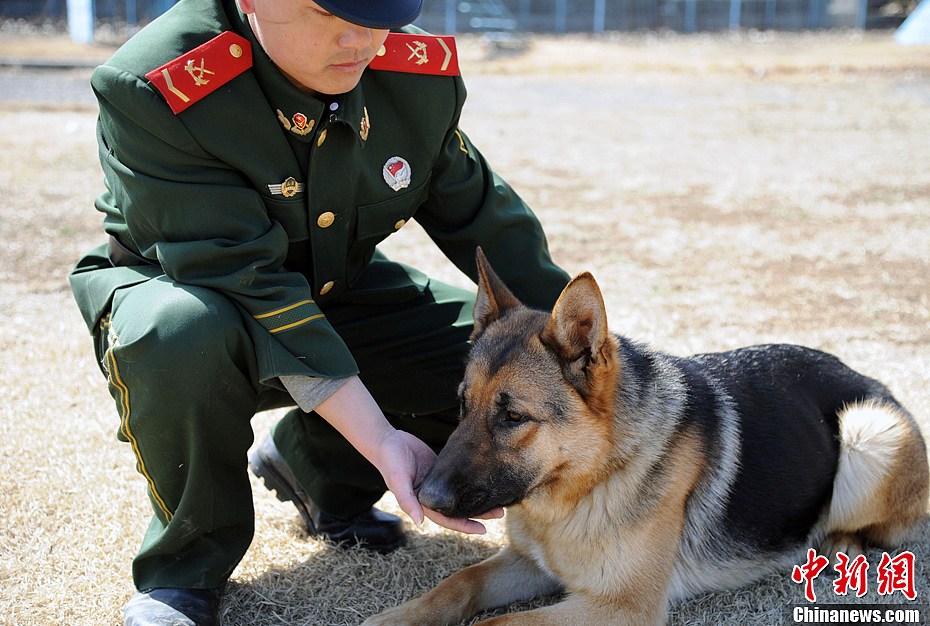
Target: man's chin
340,84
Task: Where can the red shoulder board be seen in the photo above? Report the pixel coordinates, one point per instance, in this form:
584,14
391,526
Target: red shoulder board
418,54
198,73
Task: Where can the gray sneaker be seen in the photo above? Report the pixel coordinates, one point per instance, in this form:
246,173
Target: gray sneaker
173,607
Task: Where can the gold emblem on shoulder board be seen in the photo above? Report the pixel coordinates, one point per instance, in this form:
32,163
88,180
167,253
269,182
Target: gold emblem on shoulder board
289,188
418,52
197,73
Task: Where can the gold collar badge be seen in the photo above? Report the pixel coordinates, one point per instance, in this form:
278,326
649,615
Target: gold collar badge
364,125
299,124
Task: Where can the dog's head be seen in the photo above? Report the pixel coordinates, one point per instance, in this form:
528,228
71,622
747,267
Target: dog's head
536,401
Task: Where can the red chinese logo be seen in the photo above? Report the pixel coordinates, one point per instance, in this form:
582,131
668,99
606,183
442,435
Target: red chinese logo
808,572
852,574
893,574
897,574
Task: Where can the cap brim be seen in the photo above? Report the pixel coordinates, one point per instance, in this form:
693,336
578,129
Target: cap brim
381,15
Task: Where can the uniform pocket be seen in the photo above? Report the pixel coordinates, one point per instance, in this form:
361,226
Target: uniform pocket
377,221
292,214
386,282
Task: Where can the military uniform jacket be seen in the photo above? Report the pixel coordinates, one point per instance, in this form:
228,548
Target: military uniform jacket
277,199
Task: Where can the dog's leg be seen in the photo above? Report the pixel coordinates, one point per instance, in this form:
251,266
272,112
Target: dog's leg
636,593
579,611
504,578
633,593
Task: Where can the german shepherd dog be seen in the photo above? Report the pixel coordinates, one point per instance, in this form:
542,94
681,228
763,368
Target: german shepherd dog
634,478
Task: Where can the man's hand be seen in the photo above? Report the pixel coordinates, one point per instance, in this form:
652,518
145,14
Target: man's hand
402,459
404,463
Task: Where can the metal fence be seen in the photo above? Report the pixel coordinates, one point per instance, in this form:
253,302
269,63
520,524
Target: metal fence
549,16
565,16
105,11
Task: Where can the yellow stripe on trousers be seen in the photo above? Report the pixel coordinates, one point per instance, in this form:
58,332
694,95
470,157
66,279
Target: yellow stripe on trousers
123,401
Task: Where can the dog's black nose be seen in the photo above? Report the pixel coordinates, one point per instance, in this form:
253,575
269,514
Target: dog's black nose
437,495
453,498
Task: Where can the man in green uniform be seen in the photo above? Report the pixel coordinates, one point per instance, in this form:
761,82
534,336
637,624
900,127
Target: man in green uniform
255,153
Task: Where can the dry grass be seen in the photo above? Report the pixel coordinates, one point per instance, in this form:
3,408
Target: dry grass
724,191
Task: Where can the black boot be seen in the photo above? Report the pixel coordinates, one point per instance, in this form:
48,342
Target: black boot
372,529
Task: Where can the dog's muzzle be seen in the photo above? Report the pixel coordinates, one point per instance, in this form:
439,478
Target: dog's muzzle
453,499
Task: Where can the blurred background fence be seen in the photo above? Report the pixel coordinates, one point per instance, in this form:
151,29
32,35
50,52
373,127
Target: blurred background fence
506,17
562,16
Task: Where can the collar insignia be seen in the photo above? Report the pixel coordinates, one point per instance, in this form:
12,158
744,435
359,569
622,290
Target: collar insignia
364,125
299,124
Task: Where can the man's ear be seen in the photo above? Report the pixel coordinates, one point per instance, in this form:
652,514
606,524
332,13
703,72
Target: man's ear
577,330
493,296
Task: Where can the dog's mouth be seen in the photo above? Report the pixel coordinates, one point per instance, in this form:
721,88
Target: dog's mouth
486,507
466,503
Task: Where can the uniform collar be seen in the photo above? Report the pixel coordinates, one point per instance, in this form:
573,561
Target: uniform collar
349,108
298,113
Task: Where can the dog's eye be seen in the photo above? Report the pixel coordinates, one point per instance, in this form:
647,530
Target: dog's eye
514,418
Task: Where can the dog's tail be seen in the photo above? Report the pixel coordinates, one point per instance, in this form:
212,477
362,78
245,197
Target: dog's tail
882,480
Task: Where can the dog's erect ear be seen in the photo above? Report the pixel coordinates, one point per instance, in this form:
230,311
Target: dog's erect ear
577,329
493,296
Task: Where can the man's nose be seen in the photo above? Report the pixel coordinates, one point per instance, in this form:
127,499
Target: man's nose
355,37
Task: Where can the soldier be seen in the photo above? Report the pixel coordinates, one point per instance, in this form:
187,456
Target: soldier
255,153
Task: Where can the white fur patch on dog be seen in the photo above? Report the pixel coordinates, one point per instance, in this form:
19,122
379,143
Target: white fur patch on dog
871,435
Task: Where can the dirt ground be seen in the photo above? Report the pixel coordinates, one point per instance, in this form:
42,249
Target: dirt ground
724,190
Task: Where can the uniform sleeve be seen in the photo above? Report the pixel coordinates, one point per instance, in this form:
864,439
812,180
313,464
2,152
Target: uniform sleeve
207,227
470,205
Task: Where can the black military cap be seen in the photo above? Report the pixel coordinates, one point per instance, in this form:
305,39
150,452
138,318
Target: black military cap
381,14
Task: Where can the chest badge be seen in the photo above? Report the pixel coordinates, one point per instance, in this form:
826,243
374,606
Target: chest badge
288,188
396,173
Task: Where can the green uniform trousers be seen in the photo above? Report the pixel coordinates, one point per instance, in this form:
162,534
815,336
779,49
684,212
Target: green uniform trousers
181,367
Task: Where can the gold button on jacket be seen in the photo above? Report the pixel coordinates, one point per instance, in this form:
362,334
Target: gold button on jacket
325,220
